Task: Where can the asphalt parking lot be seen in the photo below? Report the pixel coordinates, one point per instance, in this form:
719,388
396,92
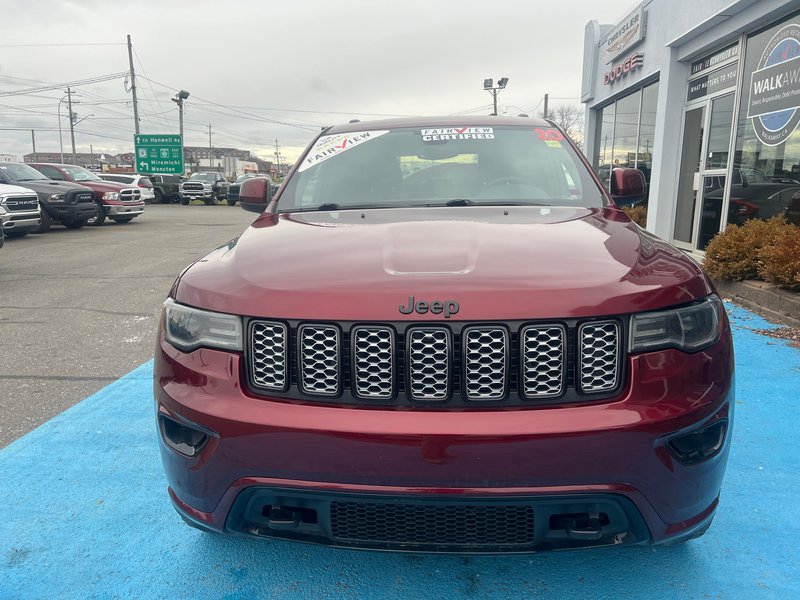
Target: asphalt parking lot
79,308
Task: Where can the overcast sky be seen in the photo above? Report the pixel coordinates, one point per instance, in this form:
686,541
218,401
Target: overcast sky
261,70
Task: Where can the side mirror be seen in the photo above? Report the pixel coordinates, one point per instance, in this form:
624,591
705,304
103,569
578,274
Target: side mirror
255,194
628,186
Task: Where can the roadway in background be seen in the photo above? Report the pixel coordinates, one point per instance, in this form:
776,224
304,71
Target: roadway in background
79,308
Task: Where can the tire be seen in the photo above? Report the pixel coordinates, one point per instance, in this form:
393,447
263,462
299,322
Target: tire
213,201
98,219
159,199
185,201
123,220
74,224
231,201
45,226
17,234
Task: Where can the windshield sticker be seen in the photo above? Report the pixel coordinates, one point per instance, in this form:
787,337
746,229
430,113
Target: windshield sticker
553,143
329,146
549,134
442,134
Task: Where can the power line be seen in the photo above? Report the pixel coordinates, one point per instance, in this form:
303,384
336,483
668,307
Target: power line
98,79
60,45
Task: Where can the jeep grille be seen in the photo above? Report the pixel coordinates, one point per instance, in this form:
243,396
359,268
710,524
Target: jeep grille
453,364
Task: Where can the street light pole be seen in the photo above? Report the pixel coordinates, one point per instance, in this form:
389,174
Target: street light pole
71,124
501,85
60,139
178,99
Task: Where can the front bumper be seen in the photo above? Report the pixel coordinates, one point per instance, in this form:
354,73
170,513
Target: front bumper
124,209
16,221
196,194
558,460
70,212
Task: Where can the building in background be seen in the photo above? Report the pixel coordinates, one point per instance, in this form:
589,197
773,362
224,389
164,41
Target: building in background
9,158
704,99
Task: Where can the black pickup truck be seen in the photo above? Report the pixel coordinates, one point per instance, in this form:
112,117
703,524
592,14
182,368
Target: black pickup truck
61,201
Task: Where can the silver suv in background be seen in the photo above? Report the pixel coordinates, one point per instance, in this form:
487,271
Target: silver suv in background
20,212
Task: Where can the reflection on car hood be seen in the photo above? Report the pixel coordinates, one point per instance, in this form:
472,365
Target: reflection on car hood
497,262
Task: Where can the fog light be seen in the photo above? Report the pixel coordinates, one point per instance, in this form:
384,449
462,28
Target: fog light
185,440
699,445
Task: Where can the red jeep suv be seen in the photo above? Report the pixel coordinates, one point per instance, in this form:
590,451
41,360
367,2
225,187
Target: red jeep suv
441,335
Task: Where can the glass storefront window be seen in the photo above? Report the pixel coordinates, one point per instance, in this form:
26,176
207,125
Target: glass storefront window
647,129
604,142
765,180
626,127
625,132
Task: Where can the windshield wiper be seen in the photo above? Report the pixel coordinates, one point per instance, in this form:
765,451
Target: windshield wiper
459,202
329,206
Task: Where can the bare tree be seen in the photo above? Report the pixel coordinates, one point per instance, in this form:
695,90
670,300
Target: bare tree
569,117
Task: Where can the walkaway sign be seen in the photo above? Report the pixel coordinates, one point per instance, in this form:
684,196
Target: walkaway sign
774,104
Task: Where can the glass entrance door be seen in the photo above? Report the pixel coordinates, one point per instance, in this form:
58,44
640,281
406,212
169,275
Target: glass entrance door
703,169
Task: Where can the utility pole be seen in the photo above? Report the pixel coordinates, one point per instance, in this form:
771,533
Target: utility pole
71,122
133,87
179,99
494,89
33,140
91,151
277,158
546,98
210,162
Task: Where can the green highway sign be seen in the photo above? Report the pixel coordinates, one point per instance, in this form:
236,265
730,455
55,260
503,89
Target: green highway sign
159,153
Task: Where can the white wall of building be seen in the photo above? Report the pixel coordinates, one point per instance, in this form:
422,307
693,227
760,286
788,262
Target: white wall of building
676,32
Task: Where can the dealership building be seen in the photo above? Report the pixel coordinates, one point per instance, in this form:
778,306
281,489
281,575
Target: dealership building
703,97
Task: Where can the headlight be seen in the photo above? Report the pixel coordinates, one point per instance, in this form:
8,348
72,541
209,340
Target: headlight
3,209
57,197
188,328
111,196
690,328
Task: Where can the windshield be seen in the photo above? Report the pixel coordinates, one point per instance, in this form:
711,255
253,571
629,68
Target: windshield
212,177
19,172
241,178
446,166
81,174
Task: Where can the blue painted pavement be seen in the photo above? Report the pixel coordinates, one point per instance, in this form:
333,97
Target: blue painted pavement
86,515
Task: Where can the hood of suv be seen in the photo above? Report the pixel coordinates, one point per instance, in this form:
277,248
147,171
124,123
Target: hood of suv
101,187
495,262
50,186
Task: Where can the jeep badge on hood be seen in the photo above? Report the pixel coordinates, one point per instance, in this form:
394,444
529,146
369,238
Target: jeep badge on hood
437,307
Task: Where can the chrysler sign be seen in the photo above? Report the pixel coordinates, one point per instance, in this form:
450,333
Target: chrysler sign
625,35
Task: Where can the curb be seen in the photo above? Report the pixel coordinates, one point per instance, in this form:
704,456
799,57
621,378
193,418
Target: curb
763,298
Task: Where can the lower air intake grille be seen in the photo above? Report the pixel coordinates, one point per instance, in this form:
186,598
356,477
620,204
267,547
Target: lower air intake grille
460,525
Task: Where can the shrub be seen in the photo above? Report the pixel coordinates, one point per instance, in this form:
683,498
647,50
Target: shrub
780,261
637,214
734,253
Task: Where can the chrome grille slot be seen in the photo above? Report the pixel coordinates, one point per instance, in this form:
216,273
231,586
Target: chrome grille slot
319,351
485,363
373,362
429,363
130,195
268,345
543,360
598,360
